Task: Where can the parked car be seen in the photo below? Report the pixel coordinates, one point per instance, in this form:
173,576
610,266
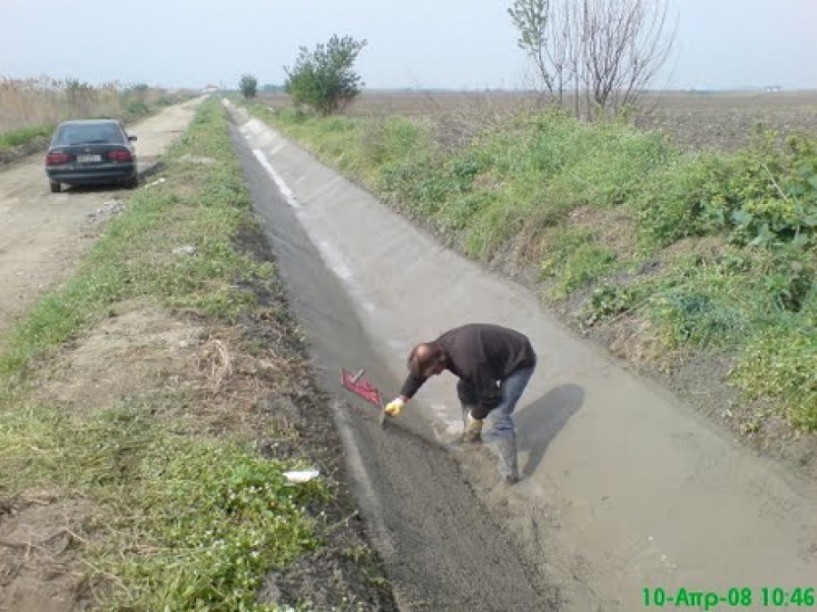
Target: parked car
91,152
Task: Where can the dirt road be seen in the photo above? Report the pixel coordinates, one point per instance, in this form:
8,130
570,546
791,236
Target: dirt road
42,234
626,488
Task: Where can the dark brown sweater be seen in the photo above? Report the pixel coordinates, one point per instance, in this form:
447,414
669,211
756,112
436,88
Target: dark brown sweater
480,354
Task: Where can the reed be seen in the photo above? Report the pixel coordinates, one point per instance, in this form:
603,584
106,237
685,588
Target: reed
44,101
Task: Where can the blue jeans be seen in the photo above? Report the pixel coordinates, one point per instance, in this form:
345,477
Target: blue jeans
512,389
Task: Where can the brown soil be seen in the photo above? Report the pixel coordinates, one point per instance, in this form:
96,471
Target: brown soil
39,567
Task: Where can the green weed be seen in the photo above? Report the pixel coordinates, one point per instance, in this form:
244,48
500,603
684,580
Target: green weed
605,302
780,362
24,135
217,518
575,260
209,518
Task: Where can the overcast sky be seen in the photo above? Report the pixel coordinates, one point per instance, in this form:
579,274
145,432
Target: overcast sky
471,44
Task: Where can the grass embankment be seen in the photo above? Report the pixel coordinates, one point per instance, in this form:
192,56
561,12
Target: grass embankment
701,252
190,515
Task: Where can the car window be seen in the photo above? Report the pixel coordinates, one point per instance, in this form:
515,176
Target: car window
89,134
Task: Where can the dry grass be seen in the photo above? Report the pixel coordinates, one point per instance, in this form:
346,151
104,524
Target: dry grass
216,363
614,228
44,101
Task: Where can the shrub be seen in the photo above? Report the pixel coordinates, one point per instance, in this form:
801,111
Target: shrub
761,195
672,201
323,78
135,109
248,86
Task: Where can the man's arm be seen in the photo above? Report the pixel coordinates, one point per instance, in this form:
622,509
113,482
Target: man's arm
411,386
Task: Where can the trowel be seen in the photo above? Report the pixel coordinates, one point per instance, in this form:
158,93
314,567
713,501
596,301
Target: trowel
365,390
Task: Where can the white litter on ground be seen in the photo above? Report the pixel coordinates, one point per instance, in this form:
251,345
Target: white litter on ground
301,475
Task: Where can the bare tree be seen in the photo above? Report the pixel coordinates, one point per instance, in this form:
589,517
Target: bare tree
607,50
560,51
625,44
543,39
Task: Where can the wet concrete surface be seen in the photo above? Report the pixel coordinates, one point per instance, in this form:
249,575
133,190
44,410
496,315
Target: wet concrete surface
625,488
444,549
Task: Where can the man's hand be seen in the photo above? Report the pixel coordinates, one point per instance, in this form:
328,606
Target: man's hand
394,407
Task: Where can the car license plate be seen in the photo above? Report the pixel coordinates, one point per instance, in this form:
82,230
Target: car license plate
85,159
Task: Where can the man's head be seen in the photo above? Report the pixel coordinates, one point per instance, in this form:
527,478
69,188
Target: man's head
426,359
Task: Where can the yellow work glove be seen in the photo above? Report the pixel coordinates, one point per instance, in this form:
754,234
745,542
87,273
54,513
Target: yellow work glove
394,407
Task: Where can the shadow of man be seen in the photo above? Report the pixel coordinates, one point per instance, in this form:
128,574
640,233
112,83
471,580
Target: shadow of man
539,422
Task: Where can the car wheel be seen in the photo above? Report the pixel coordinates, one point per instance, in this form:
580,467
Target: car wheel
55,187
132,183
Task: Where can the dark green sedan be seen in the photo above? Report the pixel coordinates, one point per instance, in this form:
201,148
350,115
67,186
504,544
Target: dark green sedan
91,152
